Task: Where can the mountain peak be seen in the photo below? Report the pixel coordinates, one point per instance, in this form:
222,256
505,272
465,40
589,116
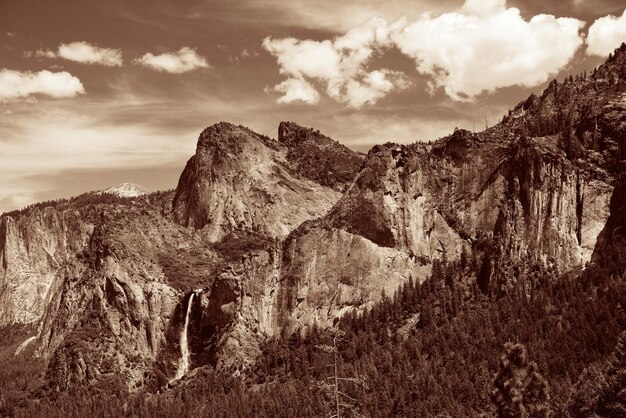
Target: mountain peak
290,133
319,157
240,181
127,190
219,128
231,136
614,68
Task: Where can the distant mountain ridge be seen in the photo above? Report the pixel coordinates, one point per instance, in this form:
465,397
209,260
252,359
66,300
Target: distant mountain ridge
127,190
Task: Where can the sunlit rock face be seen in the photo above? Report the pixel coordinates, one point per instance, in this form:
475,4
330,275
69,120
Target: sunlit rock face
33,247
240,181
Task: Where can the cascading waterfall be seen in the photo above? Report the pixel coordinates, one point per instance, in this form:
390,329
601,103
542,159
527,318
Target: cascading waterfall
183,363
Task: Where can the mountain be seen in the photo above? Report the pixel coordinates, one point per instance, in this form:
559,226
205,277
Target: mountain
119,268
127,190
241,182
266,238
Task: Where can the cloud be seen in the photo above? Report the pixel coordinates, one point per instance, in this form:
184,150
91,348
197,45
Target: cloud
82,52
478,48
606,34
40,53
485,46
185,60
90,54
294,89
247,53
18,85
328,15
340,65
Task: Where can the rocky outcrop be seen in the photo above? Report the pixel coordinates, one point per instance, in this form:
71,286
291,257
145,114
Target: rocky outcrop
319,158
391,205
111,310
385,229
328,271
241,309
611,249
240,181
33,247
556,208
106,327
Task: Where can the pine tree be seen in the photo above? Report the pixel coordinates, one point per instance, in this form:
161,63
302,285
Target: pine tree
520,389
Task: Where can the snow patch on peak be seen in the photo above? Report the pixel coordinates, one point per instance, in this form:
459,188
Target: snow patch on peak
127,190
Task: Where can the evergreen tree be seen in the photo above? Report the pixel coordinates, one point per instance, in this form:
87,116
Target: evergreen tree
520,389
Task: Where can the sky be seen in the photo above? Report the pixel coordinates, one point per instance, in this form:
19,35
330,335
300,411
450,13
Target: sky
95,93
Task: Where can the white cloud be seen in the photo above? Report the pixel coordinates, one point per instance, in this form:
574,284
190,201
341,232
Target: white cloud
374,86
82,52
40,53
86,53
18,85
485,46
184,60
483,7
294,89
247,53
338,64
480,47
606,34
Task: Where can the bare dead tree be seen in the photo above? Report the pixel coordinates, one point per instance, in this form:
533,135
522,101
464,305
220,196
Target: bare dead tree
342,401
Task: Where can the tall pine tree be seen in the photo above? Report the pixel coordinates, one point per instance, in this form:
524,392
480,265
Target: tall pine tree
520,389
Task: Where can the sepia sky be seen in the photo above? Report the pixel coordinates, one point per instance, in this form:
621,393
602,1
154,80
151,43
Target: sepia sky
96,93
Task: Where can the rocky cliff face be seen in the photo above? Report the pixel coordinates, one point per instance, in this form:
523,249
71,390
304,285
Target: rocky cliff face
385,230
116,302
611,248
557,209
239,189
276,235
33,247
240,181
115,311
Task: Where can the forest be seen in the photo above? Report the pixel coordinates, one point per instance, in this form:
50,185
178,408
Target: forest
549,346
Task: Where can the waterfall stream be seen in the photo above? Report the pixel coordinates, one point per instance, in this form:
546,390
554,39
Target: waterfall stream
183,363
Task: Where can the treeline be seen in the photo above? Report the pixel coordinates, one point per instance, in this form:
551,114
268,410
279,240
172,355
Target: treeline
94,198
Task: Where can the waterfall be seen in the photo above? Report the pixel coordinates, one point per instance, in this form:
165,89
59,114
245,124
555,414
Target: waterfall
183,363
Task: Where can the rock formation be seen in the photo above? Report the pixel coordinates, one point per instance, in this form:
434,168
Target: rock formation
240,181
